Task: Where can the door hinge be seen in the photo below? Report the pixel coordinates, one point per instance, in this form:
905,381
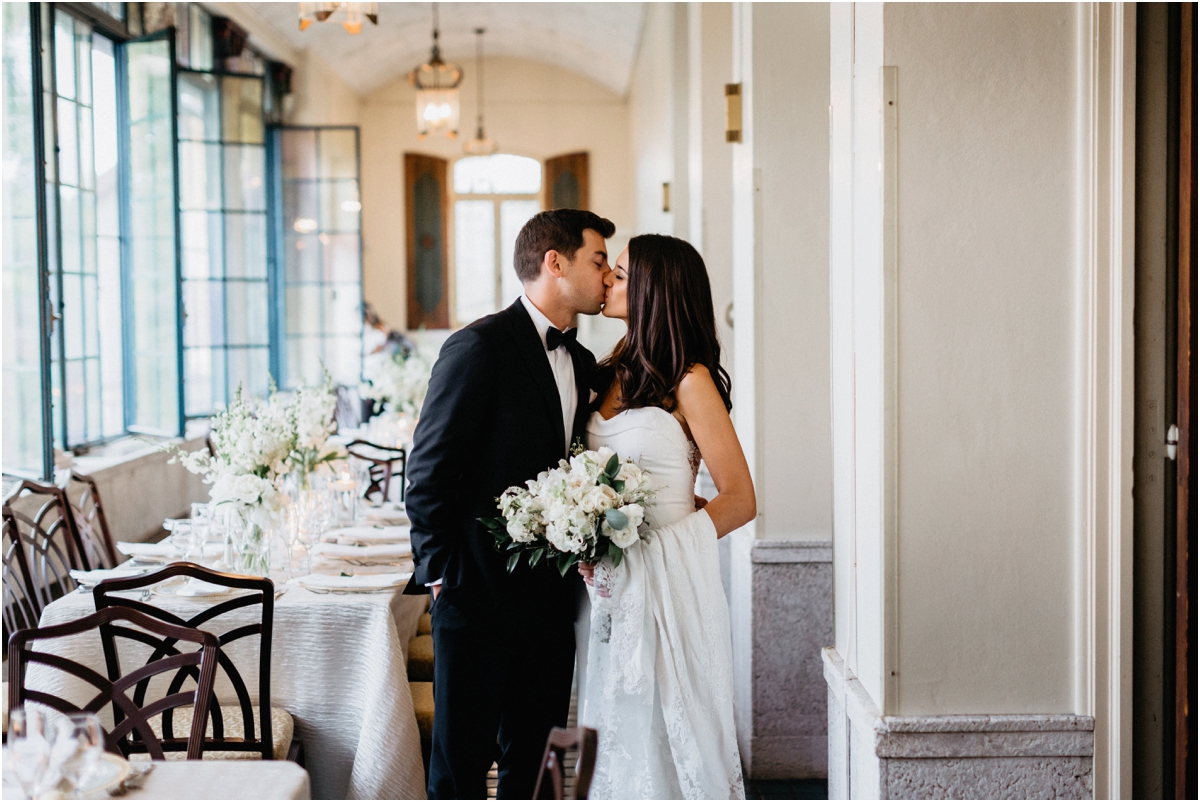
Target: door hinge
1172,441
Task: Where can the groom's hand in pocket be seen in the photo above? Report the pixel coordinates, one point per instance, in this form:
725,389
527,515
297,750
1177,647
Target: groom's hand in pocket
700,501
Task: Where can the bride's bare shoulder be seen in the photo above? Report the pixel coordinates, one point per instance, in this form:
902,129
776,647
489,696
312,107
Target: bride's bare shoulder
697,388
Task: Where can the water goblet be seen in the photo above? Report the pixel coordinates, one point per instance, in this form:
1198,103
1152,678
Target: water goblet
29,738
82,745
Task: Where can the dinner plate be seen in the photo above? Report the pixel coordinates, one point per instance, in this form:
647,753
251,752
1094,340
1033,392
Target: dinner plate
108,773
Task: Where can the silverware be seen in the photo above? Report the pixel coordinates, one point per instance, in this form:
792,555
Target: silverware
349,591
280,592
135,780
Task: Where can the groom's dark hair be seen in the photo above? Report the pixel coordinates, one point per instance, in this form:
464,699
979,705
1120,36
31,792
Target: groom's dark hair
556,230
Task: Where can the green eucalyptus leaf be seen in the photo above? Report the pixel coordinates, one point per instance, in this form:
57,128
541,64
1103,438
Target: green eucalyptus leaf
616,558
535,556
618,485
617,519
513,559
614,465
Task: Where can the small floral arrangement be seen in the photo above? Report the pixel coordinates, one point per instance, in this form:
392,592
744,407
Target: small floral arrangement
397,381
586,508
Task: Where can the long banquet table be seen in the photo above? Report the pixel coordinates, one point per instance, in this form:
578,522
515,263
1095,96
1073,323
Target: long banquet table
338,665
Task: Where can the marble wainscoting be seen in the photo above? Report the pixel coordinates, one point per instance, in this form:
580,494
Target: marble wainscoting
950,757
791,618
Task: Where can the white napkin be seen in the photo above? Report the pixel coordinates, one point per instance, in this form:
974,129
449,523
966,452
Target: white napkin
367,534
386,515
90,578
356,582
198,587
163,550
385,550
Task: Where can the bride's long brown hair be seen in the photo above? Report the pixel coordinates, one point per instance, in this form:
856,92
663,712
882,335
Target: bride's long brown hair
671,326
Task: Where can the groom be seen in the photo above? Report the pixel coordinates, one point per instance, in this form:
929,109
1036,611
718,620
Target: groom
507,397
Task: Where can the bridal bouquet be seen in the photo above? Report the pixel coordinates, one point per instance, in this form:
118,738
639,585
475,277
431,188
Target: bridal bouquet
398,381
585,509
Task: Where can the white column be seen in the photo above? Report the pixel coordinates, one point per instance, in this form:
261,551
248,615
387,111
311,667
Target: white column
781,583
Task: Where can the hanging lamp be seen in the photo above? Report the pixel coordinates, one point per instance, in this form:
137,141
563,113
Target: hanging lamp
481,145
354,13
437,83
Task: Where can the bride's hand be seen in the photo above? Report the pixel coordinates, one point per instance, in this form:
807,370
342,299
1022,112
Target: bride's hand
587,570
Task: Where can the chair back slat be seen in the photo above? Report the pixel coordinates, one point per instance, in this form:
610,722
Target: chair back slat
261,591
20,605
551,781
385,462
129,718
83,495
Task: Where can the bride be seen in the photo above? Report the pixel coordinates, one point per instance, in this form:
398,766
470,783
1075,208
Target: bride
659,681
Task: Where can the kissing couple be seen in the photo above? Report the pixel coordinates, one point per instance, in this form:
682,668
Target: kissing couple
508,396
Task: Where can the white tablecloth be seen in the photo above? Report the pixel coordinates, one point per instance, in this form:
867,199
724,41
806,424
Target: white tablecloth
208,779
338,665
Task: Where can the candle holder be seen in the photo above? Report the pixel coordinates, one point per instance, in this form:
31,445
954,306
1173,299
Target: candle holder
345,491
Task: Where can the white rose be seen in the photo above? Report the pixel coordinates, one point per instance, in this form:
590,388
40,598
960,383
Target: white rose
635,514
623,538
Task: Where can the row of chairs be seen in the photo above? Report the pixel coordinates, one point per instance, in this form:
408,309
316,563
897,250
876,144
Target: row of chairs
48,531
179,723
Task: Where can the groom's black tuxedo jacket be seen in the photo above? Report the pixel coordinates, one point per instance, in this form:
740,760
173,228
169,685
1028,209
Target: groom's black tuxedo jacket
491,419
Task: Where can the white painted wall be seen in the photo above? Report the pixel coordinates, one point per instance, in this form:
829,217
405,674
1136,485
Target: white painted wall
987,117
652,140
958,528
710,157
531,109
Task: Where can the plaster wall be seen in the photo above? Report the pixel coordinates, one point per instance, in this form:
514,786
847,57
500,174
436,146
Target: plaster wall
710,157
653,96
985,226
531,109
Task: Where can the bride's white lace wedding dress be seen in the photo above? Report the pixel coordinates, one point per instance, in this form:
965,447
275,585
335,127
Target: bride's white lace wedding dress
659,680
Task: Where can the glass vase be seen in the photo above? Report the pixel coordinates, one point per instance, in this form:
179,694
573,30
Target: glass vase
251,546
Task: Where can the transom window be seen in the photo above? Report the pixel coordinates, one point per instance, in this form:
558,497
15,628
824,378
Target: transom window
495,196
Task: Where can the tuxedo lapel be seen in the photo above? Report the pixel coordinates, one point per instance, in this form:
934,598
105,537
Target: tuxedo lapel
533,354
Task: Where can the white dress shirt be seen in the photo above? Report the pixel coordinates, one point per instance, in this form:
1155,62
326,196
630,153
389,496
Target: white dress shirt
561,366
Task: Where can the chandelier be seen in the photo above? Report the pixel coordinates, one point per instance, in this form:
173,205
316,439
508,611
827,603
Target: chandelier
349,14
437,83
481,145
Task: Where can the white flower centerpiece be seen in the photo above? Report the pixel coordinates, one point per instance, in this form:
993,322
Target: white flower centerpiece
585,509
397,383
255,445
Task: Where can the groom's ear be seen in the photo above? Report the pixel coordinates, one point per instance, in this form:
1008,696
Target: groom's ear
553,262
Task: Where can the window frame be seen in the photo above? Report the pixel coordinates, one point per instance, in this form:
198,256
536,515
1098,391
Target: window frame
276,260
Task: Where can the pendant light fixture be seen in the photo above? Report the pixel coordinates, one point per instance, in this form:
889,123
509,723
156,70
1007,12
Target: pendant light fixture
481,145
353,14
437,83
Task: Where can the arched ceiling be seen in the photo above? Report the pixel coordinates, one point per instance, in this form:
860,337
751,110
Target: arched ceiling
598,40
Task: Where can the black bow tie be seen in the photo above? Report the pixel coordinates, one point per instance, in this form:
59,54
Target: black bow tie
555,338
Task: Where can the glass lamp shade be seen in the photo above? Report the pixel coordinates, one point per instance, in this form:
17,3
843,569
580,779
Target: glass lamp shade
437,110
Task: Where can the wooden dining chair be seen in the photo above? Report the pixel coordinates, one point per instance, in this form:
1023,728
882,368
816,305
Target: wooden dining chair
39,516
92,524
386,462
235,731
131,732
551,781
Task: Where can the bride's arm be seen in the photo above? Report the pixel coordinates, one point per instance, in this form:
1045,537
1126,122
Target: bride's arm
701,406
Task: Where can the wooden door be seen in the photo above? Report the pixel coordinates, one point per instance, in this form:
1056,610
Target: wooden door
566,184
1185,509
426,207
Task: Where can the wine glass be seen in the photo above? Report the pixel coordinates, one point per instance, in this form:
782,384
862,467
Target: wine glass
82,748
183,538
29,737
202,524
